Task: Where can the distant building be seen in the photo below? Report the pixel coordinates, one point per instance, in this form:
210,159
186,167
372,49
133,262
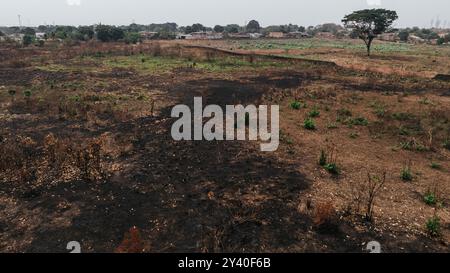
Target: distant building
182,36
255,35
416,39
275,35
18,37
325,35
41,35
297,35
147,35
390,37
240,35
201,35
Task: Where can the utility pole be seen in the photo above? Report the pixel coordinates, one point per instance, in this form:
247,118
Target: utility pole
20,21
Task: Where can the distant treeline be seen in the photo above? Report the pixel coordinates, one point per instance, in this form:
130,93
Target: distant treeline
133,33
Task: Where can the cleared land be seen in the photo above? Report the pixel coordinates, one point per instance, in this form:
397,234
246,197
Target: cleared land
86,152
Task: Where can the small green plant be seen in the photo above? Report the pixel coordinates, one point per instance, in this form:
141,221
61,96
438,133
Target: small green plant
379,108
425,101
380,112
314,113
403,131
354,135
430,198
361,121
332,125
323,158
309,124
406,174
406,145
343,114
12,94
402,116
332,168
433,226
435,165
296,105
446,144
27,93
328,160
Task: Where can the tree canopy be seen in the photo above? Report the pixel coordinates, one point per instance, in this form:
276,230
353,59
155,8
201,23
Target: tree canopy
369,23
253,26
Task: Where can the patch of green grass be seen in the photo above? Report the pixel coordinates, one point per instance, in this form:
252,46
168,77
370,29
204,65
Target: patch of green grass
446,144
152,64
320,43
379,109
403,131
314,112
403,116
430,199
323,158
433,226
435,165
332,125
360,121
406,174
425,101
296,105
332,168
343,112
309,124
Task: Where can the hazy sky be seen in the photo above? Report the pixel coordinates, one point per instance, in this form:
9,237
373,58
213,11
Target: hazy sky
211,12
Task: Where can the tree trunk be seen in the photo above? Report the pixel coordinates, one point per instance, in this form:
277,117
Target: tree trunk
369,44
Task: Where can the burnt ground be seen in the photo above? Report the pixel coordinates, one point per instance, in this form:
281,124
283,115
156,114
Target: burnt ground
182,196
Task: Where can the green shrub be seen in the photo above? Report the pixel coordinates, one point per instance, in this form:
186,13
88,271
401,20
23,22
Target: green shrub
332,168
323,158
435,165
430,198
403,131
314,113
309,124
332,125
402,116
359,121
296,105
446,144
27,93
406,174
343,114
433,226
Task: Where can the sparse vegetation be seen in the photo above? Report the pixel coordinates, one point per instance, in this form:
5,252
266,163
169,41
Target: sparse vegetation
309,124
406,174
90,121
296,105
430,198
433,226
314,113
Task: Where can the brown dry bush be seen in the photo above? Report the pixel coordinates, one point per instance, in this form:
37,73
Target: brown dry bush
88,160
325,217
16,157
132,242
364,193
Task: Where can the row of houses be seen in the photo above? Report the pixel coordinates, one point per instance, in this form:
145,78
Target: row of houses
209,35
18,37
413,39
